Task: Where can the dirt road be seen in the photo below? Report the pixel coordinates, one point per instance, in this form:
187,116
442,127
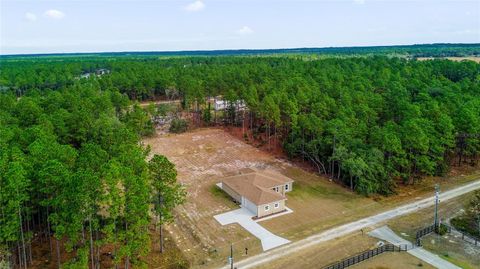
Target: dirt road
352,227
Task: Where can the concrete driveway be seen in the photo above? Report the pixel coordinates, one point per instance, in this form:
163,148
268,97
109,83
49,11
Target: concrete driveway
388,235
243,217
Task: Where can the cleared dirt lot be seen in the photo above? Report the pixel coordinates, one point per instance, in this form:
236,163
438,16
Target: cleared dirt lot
457,59
203,156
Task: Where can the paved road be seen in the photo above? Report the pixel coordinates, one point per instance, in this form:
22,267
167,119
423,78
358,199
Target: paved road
243,217
388,235
351,227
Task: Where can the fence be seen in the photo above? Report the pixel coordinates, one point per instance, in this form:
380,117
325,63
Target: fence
422,232
430,229
466,236
367,255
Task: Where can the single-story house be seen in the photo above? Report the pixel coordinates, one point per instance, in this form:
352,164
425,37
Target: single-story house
263,192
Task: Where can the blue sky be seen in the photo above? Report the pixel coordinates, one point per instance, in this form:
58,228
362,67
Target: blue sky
43,26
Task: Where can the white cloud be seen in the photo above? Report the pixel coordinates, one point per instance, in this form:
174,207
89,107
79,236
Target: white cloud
195,6
245,30
30,16
360,2
54,14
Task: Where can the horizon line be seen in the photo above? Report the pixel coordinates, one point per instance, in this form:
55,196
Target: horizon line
174,52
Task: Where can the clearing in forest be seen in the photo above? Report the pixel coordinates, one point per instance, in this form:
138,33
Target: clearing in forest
203,156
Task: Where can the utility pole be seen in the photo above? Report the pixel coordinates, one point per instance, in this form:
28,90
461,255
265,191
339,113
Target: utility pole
231,256
437,191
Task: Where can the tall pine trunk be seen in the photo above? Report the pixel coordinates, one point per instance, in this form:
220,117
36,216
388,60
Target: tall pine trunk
23,238
49,232
127,258
58,253
161,238
91,243
30,258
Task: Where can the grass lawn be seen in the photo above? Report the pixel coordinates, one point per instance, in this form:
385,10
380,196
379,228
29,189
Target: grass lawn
330,252
393,260
450,246
203,156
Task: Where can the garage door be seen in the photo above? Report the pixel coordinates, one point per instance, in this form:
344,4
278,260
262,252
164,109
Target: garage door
249,205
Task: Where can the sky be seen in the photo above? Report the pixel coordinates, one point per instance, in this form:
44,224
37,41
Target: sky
61,26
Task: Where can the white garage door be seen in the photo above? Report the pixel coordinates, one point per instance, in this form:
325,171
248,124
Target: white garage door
249,205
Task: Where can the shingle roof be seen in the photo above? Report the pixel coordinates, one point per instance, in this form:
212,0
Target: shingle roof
256,185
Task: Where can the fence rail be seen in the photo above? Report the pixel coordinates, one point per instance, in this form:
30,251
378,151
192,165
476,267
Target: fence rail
367,255
466,236
424,231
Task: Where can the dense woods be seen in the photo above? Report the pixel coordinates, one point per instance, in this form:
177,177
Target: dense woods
74,178
363,121
71,164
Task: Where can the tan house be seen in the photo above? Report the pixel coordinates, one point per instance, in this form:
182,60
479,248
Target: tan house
260,191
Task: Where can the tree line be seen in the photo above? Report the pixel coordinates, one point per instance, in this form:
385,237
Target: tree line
74,178
418,50
366,122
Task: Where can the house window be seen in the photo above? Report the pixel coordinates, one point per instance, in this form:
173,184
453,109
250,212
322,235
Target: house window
286,187
267,208
276,205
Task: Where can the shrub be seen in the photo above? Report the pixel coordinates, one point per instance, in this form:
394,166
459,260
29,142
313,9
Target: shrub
465,224
178,126
442,229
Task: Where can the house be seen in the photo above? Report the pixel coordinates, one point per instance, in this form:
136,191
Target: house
85,75
220,104
99,72
102,71
263,192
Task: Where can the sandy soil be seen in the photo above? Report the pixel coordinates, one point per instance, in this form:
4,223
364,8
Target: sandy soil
204,156
457,59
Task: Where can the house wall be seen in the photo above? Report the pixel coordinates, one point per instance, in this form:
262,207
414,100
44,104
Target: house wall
290,186
281,188
237,197
261,212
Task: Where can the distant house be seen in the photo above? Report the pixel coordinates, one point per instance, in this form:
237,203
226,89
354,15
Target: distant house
99,72
223,104
263,192
102,71
86,75
220,104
